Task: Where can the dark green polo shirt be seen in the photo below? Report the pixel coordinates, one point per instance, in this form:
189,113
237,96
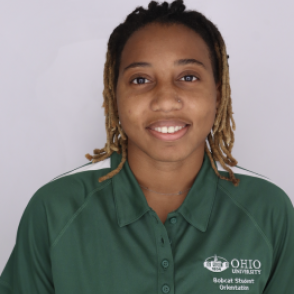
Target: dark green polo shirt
79,236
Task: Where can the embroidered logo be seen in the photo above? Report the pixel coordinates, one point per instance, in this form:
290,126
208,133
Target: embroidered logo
216,263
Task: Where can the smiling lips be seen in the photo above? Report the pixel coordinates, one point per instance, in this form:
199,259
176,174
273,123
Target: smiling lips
168,130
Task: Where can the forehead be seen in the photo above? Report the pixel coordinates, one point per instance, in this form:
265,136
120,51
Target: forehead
164,41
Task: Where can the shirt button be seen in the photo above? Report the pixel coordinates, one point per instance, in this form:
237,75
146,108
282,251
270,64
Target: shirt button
165,288
165,264
173,220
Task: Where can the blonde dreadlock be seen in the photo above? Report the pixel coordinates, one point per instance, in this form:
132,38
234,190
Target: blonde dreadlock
116,138
221,140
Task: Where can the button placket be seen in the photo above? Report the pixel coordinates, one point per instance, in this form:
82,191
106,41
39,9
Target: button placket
165,288
171,226
165,267
173,220
165,264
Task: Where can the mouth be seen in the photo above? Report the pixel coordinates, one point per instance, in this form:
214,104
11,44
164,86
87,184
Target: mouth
168,130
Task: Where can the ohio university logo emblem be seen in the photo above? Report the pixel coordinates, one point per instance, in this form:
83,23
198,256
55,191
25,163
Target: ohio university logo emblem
216,263
243,266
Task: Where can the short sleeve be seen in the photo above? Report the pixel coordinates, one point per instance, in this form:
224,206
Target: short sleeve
282,274
28,270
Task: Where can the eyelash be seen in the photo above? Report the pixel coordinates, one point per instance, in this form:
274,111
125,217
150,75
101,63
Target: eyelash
147,79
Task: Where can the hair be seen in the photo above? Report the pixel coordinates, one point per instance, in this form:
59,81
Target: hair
221,138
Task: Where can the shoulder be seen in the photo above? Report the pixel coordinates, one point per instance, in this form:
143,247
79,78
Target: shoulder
55,203
254,188
74,185
262,200
100,166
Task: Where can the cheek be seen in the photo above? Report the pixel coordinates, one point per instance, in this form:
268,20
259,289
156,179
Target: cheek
130,114
203,108
204,119
133,107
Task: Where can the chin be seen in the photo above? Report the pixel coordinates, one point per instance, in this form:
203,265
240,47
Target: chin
166,156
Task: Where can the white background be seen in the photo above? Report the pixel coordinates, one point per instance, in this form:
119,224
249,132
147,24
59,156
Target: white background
52,55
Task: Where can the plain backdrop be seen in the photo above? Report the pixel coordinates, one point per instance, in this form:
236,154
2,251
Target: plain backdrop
52,55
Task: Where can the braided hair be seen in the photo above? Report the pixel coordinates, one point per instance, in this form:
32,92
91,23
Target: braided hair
221,138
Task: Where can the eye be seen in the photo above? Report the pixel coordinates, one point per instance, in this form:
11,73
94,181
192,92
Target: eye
139,81
189,78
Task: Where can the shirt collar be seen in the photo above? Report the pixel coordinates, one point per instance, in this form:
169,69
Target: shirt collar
131,203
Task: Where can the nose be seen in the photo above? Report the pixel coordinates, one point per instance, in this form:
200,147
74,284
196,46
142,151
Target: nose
166,99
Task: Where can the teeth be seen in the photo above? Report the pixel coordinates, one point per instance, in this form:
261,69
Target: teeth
169,130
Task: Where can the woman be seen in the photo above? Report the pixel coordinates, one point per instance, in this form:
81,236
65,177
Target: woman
162,208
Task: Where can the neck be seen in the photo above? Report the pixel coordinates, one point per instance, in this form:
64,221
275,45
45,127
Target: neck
165,177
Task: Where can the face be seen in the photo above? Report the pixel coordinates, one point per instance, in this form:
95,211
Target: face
166,94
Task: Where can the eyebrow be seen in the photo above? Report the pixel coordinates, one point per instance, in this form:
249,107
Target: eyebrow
138,64
177,62
188,61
